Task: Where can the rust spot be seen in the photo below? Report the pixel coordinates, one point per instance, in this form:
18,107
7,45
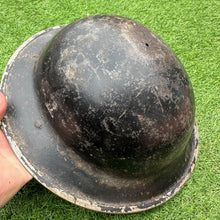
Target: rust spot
119,188
79,165
139,182
62,152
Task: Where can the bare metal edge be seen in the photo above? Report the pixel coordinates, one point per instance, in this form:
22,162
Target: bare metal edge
86,203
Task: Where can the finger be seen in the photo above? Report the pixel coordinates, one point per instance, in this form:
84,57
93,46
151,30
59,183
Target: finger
3,105
7,152
13,175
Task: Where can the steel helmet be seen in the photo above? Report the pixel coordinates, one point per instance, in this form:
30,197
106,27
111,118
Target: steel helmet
102,113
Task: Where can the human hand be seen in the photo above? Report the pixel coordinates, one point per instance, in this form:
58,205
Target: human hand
13,175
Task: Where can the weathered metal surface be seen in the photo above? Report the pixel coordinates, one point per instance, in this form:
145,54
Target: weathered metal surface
102,115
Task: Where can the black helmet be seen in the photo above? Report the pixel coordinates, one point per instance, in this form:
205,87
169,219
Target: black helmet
102,113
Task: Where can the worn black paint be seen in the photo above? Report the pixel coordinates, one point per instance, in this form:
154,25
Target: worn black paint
117,103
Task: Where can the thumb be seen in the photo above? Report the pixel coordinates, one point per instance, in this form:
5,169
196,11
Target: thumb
3,105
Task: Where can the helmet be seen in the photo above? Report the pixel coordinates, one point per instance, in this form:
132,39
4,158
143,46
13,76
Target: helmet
102,113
